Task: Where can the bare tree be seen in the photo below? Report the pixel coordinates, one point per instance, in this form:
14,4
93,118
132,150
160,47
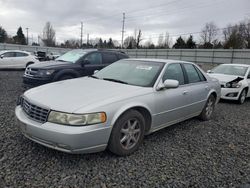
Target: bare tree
161,41
167,40
49,35
209,33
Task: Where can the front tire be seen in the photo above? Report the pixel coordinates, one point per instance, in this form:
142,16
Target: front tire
242,96
127,134
208,109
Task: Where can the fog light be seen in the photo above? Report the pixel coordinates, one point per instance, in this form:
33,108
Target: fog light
232,94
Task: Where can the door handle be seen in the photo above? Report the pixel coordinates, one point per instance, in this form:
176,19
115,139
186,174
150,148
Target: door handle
207,88
185,92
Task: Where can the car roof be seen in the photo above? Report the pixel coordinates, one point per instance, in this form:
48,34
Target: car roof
236,64
158,60
3,51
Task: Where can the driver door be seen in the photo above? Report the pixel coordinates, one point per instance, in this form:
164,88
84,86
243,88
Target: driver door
7,60
171,104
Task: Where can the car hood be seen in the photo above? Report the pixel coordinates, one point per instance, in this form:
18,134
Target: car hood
50,64
224,78
72,95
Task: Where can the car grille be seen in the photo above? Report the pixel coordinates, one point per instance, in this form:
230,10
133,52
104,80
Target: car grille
30,72
34,112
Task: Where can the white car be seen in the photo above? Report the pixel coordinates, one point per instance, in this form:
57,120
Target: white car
16,59
234,80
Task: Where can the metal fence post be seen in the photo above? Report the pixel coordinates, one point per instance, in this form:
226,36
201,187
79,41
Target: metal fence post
180,54
167,53
232,57
213,57
195,56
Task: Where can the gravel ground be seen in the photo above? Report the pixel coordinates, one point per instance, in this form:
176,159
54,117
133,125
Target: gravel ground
215,153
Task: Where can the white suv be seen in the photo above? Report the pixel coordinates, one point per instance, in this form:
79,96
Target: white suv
16,59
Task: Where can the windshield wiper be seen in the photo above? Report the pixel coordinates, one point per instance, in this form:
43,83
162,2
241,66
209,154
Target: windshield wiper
92,76
61,60
115,80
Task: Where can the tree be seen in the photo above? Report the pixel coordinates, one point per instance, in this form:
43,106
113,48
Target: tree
180,43
110,43
19,38
3,35
130,42
190,43
233,37
100,43
138,39
49,35
208,34
167,41
160,41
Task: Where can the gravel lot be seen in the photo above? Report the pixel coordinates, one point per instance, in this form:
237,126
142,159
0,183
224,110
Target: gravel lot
215,153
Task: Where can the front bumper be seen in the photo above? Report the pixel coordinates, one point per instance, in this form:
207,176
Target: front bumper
230,93
29,82
84,139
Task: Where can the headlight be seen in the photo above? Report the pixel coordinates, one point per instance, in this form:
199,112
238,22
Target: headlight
45,72
76,119
233,85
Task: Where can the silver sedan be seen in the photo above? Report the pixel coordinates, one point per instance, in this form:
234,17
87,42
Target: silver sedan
116,106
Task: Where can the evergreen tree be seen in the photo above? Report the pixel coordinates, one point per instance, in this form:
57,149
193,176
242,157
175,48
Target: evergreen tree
100,43
110,43
190,43
20,38
3,35
180,43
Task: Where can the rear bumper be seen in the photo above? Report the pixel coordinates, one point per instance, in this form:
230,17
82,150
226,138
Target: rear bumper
84,139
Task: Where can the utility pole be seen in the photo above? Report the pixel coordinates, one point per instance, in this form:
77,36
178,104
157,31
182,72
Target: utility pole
87,40
81,35
123,22
27,29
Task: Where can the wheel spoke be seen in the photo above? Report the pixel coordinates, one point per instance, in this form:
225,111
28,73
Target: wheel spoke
124,138
134,124
128,142
136,131
125,131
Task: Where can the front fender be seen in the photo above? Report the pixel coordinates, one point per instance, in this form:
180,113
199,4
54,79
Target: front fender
127,107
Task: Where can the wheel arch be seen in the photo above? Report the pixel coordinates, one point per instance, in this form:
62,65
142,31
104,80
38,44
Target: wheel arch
146,113
61,73
29,63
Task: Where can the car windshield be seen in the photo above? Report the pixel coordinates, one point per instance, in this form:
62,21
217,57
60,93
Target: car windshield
132,72
236,70
71,56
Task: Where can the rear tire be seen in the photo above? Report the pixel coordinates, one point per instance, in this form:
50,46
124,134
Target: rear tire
208,109
242,96
127,133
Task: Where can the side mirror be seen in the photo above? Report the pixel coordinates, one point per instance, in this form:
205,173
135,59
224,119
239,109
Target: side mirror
171,83
209,71
168,84
1,56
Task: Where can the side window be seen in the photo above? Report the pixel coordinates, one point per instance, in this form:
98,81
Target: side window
20,54
248,77
94,58
202,77
9,54
174,72
192,74
109,58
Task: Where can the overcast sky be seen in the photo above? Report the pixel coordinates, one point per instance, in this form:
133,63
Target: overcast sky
103,18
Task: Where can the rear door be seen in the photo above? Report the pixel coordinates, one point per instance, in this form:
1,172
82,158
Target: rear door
108,58
197,89
248,81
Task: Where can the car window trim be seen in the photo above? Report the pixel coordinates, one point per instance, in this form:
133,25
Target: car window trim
188,83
